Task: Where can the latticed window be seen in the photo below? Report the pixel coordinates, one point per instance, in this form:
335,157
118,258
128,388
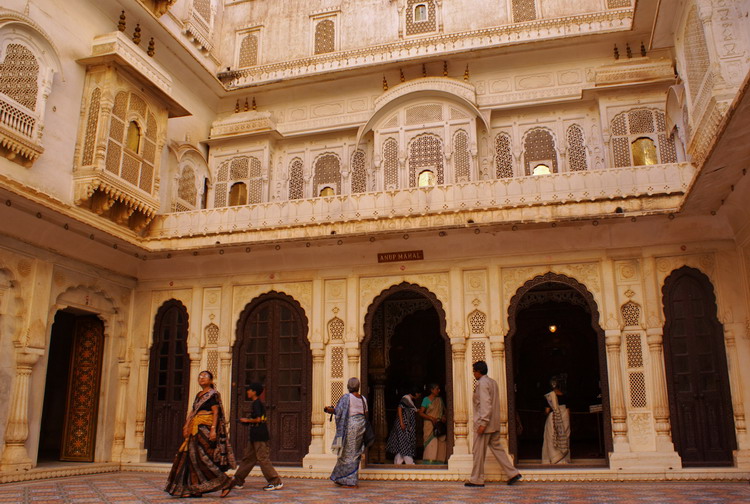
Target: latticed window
327,173
638,138
239,182
539,151
425,151
421,16
91,127
524,10
424,114
248,51
390,164
618,4
359,173
461,156
325,32
296,180
203,7
696,53
186,189
576,149
477,321
631,313
503,156
19,73
134,165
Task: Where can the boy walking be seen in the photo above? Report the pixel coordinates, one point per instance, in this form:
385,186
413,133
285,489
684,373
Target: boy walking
257,449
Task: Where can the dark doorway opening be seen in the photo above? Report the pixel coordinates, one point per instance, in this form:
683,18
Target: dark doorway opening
554,337
71,394
405,347
272,348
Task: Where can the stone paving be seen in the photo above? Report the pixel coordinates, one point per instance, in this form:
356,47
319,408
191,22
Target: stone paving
146,488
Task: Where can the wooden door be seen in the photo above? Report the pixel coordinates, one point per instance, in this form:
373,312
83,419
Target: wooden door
696,366
168,383
82,408
272,349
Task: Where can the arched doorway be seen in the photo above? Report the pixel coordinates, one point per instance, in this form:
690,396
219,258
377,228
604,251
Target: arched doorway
405,345
168,382
272,348
695,360
554,331
71,396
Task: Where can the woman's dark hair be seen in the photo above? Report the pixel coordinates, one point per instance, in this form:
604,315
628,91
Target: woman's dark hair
210,375
415,390
431,386
480,367
256,387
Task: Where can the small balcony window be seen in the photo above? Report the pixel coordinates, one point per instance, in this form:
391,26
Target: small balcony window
644,152
420,13
238,194
541,169
133,140
426,178
327,191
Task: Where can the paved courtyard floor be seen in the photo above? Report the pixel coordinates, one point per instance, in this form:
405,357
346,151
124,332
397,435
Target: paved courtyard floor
146,488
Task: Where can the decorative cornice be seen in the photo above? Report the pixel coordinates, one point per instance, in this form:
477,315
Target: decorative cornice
436,45
637,70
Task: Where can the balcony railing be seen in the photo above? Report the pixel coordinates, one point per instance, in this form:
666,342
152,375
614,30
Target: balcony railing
487,199
19,129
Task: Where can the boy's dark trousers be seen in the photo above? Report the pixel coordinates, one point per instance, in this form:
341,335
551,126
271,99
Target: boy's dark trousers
256,453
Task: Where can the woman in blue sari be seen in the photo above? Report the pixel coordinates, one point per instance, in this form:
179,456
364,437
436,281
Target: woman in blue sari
351,418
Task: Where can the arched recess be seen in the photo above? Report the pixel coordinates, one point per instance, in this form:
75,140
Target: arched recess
695,361
168,382
374,368
272,347
587,298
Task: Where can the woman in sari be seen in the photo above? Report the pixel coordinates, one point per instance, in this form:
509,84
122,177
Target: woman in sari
200,464
348,445
433,411
403,439
556,446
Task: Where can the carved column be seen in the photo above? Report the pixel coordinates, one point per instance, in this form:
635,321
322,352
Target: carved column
735,379
119,436
654,337
195,363
318,398
460,406
15,455
225,376
617,401
140,415
497,348
379,424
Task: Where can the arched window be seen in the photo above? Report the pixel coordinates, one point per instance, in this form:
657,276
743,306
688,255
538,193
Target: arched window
425,151
390,164
644,151
248,54
327,173
576,149
186,189
541,169
421,16
420,13
503,156
133,140
325,41
296,180
359,174
327,191
539,148
426,178
238,194
461,157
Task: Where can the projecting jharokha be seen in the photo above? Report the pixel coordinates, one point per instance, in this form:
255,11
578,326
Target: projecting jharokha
287,195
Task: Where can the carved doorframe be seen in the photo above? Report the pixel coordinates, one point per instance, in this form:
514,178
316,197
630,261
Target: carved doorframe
368,329
601,351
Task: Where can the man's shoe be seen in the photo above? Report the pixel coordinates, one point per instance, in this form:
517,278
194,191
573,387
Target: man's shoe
470,484
514,479
271,487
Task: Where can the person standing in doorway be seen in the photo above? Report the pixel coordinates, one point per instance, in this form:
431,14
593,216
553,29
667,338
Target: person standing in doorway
487,428
257,451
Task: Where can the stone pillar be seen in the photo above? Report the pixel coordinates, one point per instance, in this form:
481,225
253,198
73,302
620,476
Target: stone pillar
497,348
460,404
318,397
379,424
119,436
140,415
225,376
735,379
195,364
15,456
613,340
654,337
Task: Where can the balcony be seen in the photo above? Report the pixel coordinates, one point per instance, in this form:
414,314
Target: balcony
568,196
20,132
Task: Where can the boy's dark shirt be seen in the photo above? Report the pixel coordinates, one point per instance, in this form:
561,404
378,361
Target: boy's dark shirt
258,431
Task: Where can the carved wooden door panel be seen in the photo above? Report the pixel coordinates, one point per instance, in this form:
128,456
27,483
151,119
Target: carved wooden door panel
272,349
697,378
82,409
168,388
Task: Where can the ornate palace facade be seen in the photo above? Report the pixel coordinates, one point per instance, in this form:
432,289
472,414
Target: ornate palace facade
300,192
